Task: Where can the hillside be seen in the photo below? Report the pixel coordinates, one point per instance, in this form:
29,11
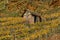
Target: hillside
14,27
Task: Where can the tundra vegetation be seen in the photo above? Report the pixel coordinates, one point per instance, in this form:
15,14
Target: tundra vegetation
14,27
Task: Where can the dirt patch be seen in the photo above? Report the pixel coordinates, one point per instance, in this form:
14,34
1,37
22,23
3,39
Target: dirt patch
54,37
